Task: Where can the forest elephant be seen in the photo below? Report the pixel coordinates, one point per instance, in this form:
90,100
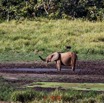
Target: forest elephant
66,59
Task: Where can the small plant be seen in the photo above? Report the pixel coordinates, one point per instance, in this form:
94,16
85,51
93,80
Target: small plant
90,94
5,90
67,97
72,95
23,96
100,98
26,96
88,100
54,96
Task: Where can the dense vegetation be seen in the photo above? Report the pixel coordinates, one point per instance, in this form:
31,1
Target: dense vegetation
11,92
57,96
5,90
17,9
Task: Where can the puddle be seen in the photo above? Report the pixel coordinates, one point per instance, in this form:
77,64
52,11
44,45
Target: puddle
36,70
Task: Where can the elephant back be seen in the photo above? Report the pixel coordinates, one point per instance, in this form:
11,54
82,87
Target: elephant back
55,56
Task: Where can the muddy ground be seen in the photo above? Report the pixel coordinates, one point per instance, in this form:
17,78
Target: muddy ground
86,72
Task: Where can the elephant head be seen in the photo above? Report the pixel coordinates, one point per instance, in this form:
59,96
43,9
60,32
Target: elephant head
52,57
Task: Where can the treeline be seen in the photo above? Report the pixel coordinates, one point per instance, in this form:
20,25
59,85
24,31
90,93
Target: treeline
86,9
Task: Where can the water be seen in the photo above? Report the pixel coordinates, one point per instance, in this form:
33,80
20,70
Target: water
40,70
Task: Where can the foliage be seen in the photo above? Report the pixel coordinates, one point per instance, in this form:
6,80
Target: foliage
7,93
88,100
16,9
56,96
26,96
100,98
22,96
90,9
5,90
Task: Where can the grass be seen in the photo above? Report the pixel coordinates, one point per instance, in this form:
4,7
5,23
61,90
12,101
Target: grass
74,86
57,96
6,89
43,36
10,92
23,56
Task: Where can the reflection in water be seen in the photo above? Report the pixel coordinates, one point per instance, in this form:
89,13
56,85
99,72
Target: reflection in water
36,70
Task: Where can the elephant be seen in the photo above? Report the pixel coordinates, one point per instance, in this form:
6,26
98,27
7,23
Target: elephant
66,59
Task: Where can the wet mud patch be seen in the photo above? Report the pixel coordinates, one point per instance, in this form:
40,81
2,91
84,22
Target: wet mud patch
86,72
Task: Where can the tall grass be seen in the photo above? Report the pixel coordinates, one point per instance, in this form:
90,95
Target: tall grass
46,36
6,90
57,96
10,92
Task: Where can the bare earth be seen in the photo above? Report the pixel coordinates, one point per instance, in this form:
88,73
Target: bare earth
86,72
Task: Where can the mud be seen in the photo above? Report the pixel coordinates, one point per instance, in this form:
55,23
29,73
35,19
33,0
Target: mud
86,71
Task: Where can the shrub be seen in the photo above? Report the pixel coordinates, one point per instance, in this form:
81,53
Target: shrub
88,100
54,96
5,90
67,98
23,96
90,9
26,96
100,98
72,96
95,14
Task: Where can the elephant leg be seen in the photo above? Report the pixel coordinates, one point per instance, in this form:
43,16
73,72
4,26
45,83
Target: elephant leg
73,68
58,65
73,63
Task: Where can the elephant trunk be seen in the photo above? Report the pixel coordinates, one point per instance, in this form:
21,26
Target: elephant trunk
42,59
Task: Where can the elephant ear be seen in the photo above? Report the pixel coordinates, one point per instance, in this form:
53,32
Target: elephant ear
55,56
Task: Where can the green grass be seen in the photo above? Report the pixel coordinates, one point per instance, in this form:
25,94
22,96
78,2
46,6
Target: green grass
57,96
10,92
43,36
30,56
6,89
75,86
9,56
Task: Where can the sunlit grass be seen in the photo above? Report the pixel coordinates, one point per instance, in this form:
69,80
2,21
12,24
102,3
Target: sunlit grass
74,86
46,36
10,92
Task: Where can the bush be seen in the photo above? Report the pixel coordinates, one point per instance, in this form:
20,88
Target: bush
90,9
100,98
23,96
88,100
67,98
26,96
72,96
95,14
56,95
5,90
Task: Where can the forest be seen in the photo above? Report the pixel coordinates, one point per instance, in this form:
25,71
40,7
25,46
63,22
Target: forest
92,10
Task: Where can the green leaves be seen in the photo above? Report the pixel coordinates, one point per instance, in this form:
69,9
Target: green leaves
53,9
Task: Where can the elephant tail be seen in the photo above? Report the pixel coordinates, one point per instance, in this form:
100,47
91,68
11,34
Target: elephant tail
42,58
